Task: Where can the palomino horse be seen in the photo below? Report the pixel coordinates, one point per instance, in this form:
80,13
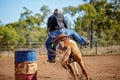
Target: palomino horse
68,52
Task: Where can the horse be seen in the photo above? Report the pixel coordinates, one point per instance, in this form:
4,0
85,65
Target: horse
67,52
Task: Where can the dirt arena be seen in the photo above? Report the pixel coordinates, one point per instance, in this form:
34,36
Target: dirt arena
99,68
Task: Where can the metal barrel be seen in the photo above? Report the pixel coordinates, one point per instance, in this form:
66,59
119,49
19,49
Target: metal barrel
25,65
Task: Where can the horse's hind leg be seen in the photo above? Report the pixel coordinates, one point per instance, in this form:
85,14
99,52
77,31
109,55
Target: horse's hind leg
70,69
80,62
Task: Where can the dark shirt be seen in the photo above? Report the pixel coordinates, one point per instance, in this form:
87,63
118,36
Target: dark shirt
55,22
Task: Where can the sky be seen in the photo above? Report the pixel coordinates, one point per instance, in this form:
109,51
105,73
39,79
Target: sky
10,9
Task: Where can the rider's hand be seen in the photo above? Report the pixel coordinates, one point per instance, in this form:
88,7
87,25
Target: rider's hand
86,43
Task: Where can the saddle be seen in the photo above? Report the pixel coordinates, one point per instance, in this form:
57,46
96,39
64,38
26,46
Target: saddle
60,38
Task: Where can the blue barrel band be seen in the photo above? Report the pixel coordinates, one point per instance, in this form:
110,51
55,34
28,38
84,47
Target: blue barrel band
25,56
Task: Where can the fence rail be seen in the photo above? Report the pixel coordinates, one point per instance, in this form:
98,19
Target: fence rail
6,49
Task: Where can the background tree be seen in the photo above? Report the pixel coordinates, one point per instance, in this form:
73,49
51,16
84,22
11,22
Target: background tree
99,19
10,36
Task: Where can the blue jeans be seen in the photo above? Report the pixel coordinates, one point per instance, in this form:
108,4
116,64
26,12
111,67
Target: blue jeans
54,34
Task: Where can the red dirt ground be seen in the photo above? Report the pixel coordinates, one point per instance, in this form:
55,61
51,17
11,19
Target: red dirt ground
99,68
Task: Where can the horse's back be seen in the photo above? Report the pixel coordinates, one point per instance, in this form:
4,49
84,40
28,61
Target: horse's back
70,42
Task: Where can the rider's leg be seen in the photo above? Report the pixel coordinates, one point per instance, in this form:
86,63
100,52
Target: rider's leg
48,43
75,35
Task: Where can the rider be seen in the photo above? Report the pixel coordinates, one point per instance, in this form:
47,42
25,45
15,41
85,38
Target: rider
56,25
